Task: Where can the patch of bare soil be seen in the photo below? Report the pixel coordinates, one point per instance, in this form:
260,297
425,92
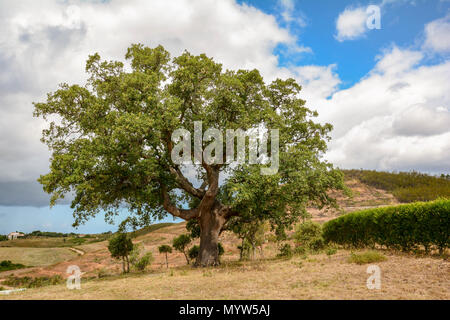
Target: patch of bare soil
363,197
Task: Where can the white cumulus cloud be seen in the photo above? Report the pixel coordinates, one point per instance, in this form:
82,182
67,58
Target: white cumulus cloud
395,118
438,35
351,24
46,43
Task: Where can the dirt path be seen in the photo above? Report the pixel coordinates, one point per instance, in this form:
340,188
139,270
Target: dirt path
6,292
80,252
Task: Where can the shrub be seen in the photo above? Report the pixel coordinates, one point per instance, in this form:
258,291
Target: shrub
144,261
309,235
220,249
138,260
399,227
366,257
317,244
300,250
307,231
331,251
193,252
7,265
285,251
29,282
102,273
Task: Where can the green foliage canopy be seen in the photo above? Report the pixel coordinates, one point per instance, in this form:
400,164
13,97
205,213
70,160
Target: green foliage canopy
165,249
111,138
180,243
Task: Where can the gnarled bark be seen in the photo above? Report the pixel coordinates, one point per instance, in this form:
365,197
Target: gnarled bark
211,223
211,214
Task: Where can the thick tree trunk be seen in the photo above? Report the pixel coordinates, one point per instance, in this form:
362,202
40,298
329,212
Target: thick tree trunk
210,213
211,224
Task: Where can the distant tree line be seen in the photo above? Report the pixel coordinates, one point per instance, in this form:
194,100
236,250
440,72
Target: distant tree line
7,265
50,234
405,186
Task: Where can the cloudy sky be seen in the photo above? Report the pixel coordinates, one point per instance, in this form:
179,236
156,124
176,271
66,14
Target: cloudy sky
386,91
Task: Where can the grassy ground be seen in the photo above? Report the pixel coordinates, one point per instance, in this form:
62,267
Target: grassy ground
36,243
51,242
36,256
312,277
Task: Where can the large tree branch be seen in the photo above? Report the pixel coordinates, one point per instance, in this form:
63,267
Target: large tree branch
185,184
227,212
209,198
173,210
182,181
212,175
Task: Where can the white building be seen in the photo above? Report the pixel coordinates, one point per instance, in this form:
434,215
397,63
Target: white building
15,235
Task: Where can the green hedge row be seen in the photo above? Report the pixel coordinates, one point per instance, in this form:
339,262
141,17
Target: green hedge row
402,227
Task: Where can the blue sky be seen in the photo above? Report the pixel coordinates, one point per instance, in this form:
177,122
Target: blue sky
402,23
386,91
57,219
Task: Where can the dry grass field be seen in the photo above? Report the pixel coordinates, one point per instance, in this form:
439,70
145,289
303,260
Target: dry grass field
313,277
36,256
35,243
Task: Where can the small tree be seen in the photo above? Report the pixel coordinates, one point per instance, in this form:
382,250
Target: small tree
285,251
120,246
252,235
180,243
165,249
